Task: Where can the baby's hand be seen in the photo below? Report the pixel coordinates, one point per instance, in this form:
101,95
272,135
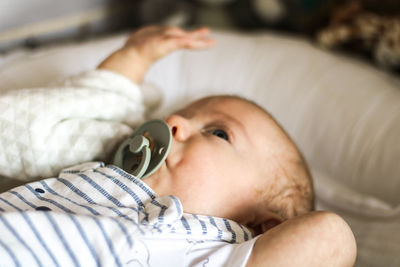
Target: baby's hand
153,42
147,45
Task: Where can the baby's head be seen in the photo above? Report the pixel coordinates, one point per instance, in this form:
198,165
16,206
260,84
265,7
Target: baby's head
229,158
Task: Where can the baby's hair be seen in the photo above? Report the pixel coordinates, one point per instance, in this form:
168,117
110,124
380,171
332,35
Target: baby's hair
294,196
293,187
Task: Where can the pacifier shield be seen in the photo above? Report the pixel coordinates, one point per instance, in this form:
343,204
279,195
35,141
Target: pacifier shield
145,150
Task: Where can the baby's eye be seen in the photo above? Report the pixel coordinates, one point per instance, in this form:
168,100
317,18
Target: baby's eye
221,134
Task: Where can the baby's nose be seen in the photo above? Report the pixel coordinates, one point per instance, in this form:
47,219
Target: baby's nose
180,127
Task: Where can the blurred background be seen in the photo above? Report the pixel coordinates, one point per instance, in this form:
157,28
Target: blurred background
370,28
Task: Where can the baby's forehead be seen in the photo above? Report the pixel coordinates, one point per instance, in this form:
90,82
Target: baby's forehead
227,104
251,116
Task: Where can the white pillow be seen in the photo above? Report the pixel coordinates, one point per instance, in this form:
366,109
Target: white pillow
375,223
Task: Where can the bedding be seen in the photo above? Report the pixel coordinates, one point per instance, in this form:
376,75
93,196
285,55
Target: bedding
342,112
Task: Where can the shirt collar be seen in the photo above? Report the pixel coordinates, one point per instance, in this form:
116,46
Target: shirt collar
165,214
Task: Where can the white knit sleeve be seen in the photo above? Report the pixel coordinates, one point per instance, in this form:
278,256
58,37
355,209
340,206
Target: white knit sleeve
83,118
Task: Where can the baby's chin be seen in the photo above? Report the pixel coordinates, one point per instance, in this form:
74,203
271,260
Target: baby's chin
158,181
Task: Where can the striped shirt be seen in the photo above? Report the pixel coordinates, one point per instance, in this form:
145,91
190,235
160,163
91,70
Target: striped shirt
97,215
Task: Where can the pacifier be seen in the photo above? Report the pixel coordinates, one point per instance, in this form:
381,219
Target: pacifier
143,152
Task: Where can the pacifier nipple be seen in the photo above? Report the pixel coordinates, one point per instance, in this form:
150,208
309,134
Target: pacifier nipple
145,150
151,141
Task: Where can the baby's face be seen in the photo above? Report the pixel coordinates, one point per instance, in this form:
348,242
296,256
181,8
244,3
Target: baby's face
220,152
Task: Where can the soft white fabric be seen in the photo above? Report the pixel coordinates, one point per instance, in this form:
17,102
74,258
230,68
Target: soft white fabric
375,223
83,118
342,112
103,216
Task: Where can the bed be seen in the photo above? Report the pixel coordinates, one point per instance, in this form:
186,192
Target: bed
343,113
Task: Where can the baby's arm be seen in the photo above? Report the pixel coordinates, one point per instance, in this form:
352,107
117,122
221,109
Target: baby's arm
315,239
145,46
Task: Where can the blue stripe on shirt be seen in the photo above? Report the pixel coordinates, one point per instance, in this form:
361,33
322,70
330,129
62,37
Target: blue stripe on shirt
156,203
76,190
111,198
85,239
51,191
18,237
228,226
88,199
203,225
39,238
131,178
161,214
246,236
101,190
186,225
23,199
11,253
212,221
120,214
65,209
125,232
177,204
61,237
123,187
108,241
10,204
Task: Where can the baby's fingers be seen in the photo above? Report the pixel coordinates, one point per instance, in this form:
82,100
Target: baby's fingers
198,43
197,39
175,43
199,33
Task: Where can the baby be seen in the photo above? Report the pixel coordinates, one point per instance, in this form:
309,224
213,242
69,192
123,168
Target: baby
232,173
225,140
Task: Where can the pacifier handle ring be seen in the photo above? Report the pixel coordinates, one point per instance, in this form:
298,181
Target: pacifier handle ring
145,150
141,144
